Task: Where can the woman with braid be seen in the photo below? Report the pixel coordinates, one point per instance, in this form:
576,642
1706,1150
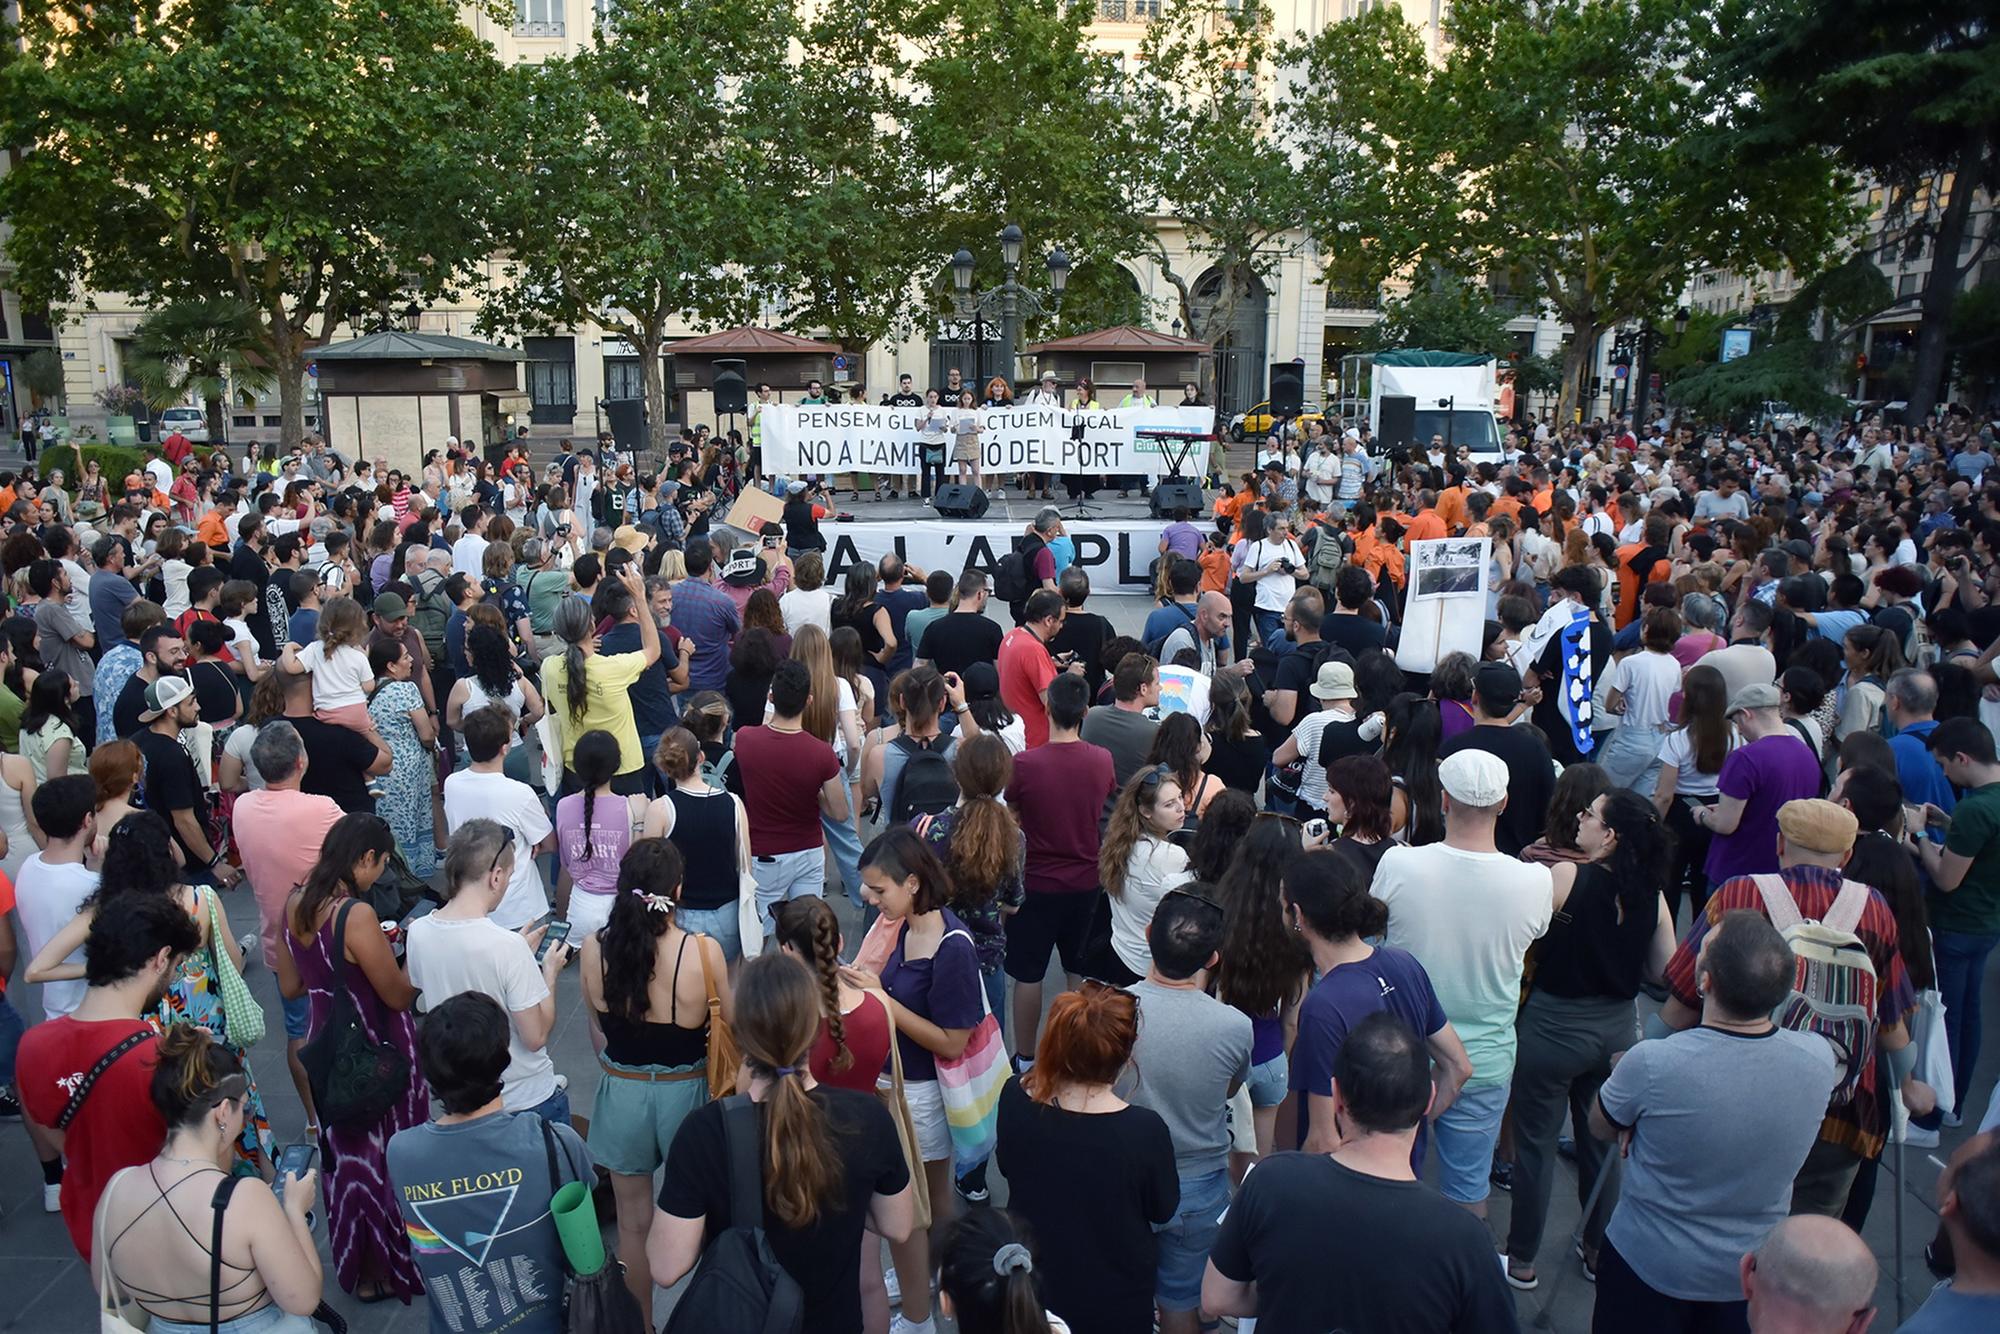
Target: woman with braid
853,1043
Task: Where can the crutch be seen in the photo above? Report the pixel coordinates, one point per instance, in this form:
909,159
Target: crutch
1545,1317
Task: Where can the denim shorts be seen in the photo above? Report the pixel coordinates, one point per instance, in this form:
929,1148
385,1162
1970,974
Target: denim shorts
1465,1136
634,1120
1186,1240
271,1320
1269,1081
720,924
298,1016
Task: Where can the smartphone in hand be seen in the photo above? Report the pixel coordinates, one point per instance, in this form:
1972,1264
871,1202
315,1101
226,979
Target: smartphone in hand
295,1160
558,934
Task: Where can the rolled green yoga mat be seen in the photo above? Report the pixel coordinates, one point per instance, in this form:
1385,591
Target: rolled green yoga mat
576,1224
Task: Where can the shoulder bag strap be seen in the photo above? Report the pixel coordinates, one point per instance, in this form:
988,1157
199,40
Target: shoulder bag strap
549,1144
1847,908
220,1205
107,1283
95,1073
746,1170
337,955
1779,904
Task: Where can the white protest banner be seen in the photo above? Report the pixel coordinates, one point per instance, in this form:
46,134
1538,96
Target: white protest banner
1117,554
1446,611
830,438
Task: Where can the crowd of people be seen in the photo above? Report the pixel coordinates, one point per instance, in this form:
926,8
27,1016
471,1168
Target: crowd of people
1690,876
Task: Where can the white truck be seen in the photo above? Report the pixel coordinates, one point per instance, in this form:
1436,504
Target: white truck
1455,394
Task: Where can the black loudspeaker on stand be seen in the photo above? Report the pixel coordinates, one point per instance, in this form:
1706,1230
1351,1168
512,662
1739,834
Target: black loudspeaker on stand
956,500
627,419
1399,422
732,388
1288,388
1177,494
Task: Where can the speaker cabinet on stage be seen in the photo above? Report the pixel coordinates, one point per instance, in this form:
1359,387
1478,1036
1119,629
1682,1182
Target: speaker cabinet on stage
1175,494
1399,422
1288,389
956,500
627,419
732,388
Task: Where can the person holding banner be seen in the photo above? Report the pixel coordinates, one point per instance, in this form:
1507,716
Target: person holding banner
1081,487
932,436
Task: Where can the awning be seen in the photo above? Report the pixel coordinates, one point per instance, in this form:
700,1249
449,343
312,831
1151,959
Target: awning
514,402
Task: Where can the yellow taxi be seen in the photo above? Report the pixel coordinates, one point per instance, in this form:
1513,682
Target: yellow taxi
1258,421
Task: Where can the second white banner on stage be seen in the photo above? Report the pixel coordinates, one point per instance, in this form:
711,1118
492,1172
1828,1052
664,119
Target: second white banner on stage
842,438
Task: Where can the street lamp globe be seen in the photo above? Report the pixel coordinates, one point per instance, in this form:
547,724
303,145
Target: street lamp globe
1681,321
1010,245
1058,271
961,271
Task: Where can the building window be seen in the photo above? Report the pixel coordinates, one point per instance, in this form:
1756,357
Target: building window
1906,284
623,378
538,18
551,379
1127,11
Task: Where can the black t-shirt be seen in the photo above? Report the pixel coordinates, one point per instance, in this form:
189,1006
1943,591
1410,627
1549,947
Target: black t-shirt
1531,781
1239,764
1356,634
125,712
1085,634
956,640
1409,1261
824,1258
214,691
171,784
1092,1187
248,565
337,760
801,528
1297,671
899,603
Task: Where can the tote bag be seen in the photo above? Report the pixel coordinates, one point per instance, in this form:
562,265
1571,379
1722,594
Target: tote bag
242,1016
898,1103
970,1086
1933,1068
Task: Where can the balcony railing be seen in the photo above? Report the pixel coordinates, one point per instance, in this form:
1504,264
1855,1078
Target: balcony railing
1127,11
1354,298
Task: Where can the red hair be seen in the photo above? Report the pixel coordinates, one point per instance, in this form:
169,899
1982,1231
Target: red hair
1087,1039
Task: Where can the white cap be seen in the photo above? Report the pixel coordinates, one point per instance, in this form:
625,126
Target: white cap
1474,778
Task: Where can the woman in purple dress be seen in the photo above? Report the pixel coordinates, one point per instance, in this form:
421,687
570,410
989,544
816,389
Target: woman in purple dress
371,1250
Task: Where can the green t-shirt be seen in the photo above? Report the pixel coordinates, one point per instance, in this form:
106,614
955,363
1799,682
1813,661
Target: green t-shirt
1974,907
11,706
545,590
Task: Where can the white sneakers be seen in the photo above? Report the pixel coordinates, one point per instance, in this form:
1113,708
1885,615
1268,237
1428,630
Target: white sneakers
52,1198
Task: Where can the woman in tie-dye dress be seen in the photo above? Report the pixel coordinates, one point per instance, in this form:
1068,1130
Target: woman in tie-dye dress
371,1250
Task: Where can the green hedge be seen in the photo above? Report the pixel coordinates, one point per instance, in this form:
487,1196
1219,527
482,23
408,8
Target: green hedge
114,461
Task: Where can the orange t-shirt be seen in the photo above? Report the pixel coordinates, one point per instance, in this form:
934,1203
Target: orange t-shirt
213,530
1374,555
1451,508
1544,498
1214,570
1424,526
1506,506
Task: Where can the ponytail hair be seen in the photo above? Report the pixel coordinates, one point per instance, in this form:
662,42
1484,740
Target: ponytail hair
777,1018
573,626
809,928
989,1270
194,1072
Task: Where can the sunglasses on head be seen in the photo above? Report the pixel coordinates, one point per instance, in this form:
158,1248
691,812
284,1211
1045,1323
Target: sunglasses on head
506,842
1204,900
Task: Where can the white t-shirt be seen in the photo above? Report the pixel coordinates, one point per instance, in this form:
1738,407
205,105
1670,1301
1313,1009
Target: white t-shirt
49,895
1647,680
469,795
339,678
1312,786
1469,917
1155,867
1274,590
238,743
447,958
1677,749
800,606
1321,472
468,555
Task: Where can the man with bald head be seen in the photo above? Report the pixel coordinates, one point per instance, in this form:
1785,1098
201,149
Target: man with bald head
1208,635
1967,1249
1811,1275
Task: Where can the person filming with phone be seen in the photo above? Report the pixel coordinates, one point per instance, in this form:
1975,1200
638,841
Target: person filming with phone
182,1224
459,948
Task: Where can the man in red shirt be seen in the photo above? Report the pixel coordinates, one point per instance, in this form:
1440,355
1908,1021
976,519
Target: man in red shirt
790,778
1057,792
109,1122
1026,667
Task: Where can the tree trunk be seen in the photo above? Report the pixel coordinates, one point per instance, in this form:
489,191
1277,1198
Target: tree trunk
1941,287
288,365
650,343
1576,366
218,419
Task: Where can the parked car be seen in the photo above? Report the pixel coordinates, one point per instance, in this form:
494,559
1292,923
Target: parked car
1258,421
190,422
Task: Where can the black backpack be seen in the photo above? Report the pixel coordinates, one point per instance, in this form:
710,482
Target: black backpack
1156,648
1014,577
926,785
739,1284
